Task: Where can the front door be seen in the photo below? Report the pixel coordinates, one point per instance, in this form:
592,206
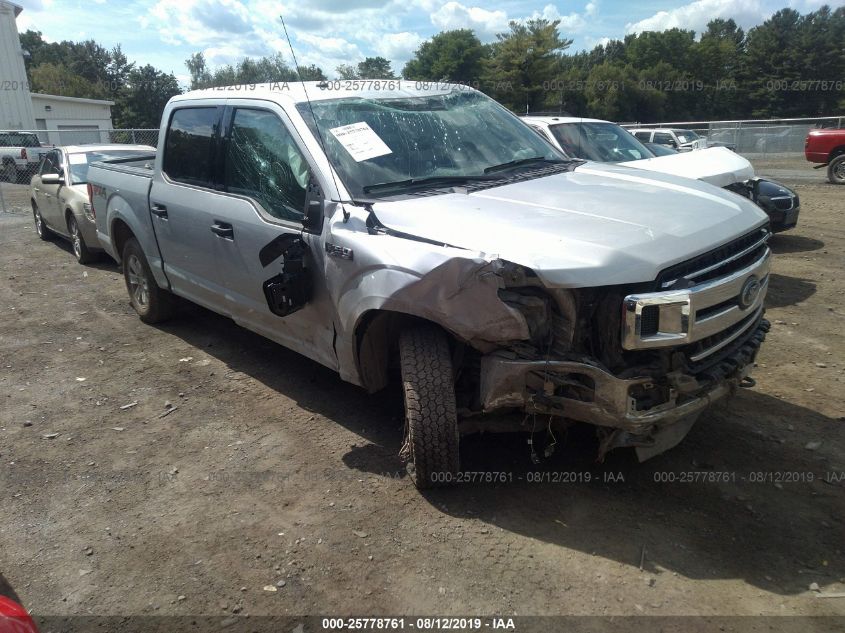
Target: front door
47,196
265,176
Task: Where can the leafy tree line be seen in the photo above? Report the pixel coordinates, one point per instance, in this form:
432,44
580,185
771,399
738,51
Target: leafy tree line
792,65
88,70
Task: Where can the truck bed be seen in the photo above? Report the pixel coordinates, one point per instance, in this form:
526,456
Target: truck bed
123,188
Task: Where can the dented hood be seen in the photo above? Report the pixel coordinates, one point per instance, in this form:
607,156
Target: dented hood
597,225
717,165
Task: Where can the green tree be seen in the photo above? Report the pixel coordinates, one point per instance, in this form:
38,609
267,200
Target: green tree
771,61
347,71
57,79
523,63
269,69
143,98
198,69
370,68
311,73
375,68
448,56
716,63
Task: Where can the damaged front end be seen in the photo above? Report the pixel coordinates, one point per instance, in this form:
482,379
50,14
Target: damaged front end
641,363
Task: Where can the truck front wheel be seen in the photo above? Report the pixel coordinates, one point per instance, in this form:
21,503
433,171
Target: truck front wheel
836,170
153,304
431,421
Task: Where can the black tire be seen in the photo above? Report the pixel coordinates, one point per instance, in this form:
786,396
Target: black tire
836,170
431,422
40,227
80,248
10,172
153,304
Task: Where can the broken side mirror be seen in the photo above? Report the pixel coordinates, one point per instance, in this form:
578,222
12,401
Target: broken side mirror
312,222
291,289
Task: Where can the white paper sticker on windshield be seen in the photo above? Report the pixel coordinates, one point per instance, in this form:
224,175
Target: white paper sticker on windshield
360,141
77,159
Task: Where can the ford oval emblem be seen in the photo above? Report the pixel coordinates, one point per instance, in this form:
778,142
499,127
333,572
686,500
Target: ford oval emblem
750,291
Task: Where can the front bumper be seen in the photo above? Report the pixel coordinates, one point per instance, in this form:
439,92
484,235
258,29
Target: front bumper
605,400
780,203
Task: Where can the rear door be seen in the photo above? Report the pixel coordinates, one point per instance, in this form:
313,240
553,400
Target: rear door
181,197
664,138
267,178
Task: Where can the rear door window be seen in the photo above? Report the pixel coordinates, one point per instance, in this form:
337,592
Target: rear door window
664,138
189,148
643,136
263,162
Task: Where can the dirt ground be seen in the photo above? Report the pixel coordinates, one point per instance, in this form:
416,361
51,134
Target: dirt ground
195,464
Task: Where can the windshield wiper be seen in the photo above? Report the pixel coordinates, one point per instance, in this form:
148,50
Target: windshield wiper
430,180
522,161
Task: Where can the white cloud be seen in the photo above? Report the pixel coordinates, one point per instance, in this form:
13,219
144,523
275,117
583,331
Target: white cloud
592,42
399,46
568,23
454,15
697,14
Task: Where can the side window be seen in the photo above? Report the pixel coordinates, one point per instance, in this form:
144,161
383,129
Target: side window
643,136
664,138
263,162
188,150
50,164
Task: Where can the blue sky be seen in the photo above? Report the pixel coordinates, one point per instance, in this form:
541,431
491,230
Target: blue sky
331,32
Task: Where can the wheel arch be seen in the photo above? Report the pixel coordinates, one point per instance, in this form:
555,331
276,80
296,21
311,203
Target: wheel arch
836,151
376,338
120,234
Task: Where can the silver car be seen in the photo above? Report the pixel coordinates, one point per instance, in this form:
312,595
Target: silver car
59,194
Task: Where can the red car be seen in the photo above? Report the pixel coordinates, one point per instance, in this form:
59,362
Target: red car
14,618
828,148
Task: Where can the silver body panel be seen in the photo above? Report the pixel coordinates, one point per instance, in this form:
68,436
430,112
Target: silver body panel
440,257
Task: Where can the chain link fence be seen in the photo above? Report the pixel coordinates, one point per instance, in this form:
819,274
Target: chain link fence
19,171
754,138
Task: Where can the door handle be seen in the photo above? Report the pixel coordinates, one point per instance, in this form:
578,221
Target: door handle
158,210
223,229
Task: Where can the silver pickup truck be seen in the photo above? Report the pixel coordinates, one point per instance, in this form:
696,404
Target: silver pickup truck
425,229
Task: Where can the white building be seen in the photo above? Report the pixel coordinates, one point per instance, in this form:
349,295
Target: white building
70,120
61,120
15,104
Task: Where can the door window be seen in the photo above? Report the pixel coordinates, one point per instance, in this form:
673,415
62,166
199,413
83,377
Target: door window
189,148
263,162
51,164
643,136
663,138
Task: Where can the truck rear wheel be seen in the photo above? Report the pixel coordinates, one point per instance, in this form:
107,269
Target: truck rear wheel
153,304
10,172
836,170
431,421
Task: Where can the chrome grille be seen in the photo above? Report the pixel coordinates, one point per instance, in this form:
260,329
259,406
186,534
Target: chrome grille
721,261
709,311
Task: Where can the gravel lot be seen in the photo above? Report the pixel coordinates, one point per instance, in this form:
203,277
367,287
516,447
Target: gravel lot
195,464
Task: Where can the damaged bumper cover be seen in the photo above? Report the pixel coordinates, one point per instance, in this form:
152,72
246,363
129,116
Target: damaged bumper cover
605,400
